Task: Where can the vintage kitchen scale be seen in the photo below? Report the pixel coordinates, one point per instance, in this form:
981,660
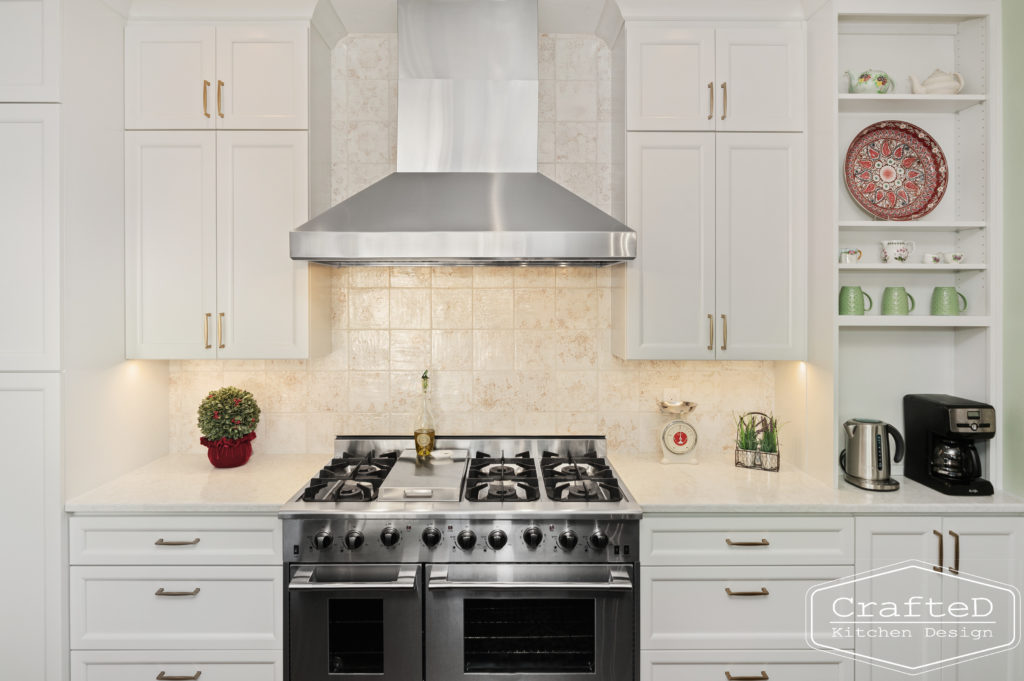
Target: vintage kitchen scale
678,437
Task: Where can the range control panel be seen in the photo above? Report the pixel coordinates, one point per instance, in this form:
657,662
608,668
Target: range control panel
342,540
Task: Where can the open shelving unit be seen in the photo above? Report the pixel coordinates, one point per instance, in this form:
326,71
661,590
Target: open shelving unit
874,360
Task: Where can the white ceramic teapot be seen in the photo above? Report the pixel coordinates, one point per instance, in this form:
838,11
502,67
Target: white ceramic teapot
939,83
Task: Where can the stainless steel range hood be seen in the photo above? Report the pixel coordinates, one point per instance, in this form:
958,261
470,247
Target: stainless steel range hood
467,190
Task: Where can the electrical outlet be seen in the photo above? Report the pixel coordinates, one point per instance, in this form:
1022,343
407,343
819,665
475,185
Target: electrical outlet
671,395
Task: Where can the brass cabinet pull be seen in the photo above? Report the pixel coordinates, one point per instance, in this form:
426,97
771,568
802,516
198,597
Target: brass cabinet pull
763,542
161,592
711,332
206,90
161,542
711,100
162,676
762,677
762,592
220,90
206,331
725,332
955,570
938,568
220,330
725,100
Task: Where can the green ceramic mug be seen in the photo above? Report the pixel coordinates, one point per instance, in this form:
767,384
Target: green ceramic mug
896,300
946,301
851,300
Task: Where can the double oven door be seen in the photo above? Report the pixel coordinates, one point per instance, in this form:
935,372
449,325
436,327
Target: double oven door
474,622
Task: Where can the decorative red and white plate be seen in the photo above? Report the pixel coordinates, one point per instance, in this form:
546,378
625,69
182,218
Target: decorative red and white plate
896,171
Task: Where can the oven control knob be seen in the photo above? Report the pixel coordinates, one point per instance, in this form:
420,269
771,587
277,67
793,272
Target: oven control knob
497,539
466,540
431,537
389,536
322,540
567,540
353,540
599,540
532,537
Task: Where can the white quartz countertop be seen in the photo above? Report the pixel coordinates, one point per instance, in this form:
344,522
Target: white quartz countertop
189,484
715,485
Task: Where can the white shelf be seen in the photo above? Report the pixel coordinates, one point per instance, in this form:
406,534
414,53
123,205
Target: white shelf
880,104
912,321
910,225
912,267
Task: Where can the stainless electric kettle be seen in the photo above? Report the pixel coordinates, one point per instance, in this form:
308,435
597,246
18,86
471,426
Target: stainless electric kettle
865,461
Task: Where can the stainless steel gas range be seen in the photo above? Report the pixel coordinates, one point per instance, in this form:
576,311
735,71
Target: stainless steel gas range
497,558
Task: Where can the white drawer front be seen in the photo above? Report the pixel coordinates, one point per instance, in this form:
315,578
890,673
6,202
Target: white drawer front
689,608
147,665
746,540
118,607
788,665
175,540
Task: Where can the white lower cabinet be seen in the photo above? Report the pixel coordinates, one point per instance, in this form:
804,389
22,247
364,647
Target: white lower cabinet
734,665
176,597
143,665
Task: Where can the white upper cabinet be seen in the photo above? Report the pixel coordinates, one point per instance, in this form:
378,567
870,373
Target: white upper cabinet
262,76
170,244
665,310
689,78
188,76
760,73
29,236
170,77
30,51
261,292
671,77
761,246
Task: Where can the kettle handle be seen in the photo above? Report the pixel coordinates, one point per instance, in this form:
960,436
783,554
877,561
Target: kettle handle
973,469
901,446
842,460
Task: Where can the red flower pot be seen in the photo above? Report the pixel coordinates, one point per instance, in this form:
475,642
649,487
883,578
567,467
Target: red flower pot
225,453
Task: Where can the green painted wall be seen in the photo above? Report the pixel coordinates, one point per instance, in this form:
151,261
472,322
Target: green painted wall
1012,422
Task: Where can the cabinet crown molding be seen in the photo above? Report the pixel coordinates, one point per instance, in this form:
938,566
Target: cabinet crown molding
699,10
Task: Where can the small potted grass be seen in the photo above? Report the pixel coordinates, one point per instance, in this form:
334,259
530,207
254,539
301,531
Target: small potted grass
757,441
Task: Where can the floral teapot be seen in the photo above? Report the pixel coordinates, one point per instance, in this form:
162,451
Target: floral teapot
939,83
870,82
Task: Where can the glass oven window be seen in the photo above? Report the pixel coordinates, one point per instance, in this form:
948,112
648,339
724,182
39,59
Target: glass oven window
356,636
540,636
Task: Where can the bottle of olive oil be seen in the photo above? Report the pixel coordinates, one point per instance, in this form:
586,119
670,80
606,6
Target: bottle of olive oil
424,434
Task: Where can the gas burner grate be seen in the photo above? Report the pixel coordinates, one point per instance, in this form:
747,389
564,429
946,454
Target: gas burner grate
497,479
350,478
579,478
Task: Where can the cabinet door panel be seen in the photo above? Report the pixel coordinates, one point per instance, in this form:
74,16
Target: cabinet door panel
30,497
761,246
884,541
992,548
763,70
170,244
165,66
264,73
30,237
30,51
670,202
261,196
670,68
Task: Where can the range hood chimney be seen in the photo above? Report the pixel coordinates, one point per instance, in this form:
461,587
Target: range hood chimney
467,190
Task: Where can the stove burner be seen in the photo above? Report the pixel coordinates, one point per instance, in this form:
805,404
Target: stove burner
502,469
502,488
582,488
350,478
574,468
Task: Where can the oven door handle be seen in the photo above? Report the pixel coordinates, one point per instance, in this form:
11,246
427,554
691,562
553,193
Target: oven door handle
405,581
618,580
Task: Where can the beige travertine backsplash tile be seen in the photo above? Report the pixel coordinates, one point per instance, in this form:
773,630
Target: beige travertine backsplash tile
511,350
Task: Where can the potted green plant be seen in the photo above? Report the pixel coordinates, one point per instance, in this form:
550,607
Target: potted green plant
757,441
227,419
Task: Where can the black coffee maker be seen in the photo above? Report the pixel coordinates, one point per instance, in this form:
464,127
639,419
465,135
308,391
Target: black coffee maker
941,432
